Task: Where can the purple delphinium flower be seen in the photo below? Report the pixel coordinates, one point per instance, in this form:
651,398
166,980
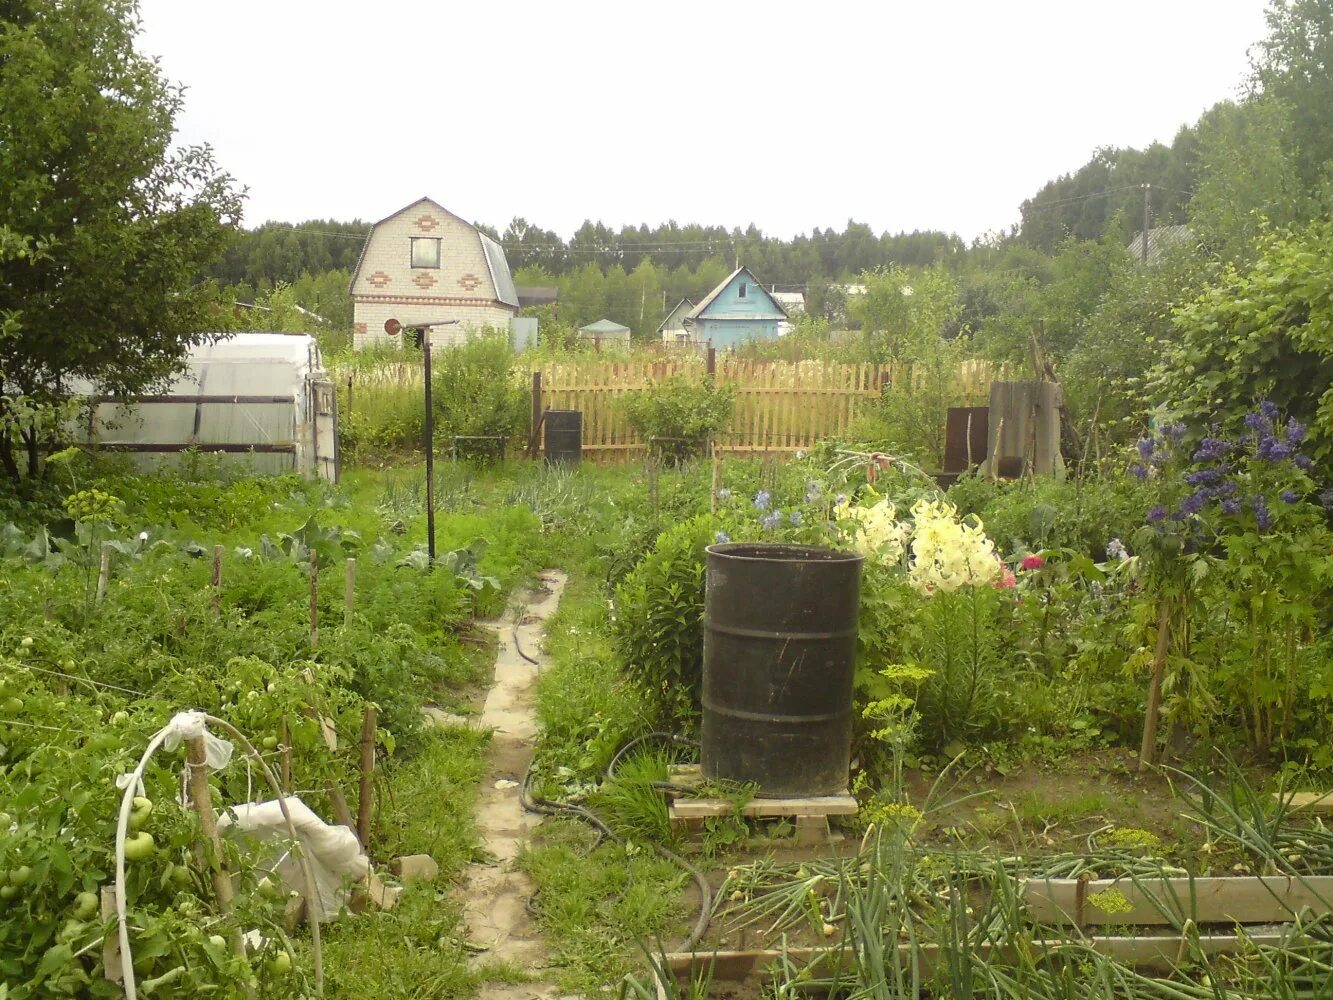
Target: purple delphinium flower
1289,496
840,500
796,517
1138,471
771,520
1194,503
1326,498
1295,431
1269,409
1262,518
1207,477
721,537
1271,449
1115,549
1174,432
1146,447
1211,449
724,494
1156,514
1304,462
1256,422
1231,506
812,491
762,499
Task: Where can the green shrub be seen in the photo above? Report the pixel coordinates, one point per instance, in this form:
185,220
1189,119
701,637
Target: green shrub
1081,514
658,621
477,393
680,414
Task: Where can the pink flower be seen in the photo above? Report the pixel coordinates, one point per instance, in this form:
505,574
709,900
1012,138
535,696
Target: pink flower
1033,562
1007,580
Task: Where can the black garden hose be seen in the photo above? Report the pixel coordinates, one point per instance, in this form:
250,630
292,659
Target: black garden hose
549,807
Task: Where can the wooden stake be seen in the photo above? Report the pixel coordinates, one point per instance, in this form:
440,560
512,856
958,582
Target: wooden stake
717,473
1148,751
349,592
366,791
314,600
342,815
285,741
104,574
217,579
209,848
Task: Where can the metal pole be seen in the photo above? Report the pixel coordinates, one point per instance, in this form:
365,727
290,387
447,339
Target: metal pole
430,451
1147,221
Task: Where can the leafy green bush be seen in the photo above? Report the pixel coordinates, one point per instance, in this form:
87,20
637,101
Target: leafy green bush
477,393
681,415
658,623
1261,333
1081,514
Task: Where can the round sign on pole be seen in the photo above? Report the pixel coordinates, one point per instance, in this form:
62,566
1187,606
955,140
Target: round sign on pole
392,327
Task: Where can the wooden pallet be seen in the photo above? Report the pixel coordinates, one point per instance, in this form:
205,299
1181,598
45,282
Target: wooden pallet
809,814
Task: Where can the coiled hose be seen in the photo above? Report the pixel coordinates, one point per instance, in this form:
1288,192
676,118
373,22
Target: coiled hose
549,807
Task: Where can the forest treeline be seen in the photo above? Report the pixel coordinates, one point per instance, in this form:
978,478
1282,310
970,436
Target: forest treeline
1242,167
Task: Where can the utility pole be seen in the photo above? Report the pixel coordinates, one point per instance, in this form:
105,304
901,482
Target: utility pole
1147,221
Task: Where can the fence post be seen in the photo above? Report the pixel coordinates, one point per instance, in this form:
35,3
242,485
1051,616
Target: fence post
536,410
712,360
217,579
349,595
104,573
364,800
314,599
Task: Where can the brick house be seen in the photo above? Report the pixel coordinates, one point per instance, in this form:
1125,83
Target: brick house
424,264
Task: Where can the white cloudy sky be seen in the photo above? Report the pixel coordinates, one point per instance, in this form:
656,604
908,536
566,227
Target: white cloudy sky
905,116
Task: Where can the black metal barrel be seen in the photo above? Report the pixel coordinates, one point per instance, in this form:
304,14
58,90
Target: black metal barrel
564,437
779,653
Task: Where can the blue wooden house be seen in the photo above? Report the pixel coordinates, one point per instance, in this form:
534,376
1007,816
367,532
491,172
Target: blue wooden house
735,311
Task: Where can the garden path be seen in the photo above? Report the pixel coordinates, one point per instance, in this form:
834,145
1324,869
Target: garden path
495,893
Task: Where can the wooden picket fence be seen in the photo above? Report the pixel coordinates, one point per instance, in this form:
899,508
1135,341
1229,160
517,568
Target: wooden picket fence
782,407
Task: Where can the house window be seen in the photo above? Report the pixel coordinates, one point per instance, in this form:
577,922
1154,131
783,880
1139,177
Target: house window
425,251
742,292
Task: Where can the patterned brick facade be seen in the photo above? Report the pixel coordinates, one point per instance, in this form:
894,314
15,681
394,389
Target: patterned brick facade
386,286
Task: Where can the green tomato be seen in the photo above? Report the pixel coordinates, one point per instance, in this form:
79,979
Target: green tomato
217,942
13,705
270,743
6,821
280,964
26,642
180,875
20,876
139,847
85,905
8,892
269,889
120,717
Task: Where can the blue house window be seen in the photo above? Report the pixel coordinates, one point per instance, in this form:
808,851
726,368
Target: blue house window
742,291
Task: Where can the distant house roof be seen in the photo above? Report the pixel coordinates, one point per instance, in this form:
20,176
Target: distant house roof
681,308
495,255
604,327
1160,240
789,300
698,311
499,266
537,295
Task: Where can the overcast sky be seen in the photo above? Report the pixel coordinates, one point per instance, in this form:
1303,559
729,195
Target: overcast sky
928,115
